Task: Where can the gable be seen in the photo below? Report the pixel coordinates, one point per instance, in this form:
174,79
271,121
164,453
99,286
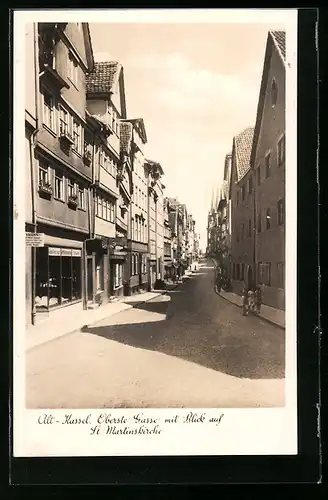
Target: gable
118,94
273,66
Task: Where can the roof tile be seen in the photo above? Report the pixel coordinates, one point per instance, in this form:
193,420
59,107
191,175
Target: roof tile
279,38
243,144
103,77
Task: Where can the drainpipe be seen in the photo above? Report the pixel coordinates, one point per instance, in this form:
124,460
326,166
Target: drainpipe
33,166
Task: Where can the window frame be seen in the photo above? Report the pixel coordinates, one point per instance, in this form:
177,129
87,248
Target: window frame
59,175
51,110
81,206
45,167
267,165
281,151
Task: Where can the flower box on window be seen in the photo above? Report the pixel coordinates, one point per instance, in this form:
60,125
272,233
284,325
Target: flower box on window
45,188
66,137
73,200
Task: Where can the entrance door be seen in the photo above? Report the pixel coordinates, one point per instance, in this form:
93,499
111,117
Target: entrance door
250,276
91,271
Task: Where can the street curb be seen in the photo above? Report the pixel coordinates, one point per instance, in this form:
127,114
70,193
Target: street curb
257,315
88,325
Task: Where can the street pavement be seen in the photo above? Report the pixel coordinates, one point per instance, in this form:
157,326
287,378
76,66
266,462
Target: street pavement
187,348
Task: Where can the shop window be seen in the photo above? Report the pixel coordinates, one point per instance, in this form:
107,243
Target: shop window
58,276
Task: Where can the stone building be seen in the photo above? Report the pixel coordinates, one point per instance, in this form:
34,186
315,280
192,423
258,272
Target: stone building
224,220
58,180
155,221
107,256
138,276
242,211
268,164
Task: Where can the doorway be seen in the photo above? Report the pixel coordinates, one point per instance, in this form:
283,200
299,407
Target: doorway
250,276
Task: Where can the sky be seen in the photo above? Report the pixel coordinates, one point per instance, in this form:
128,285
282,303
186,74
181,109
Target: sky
196,86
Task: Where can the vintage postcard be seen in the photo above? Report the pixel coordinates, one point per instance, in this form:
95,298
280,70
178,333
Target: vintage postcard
155,232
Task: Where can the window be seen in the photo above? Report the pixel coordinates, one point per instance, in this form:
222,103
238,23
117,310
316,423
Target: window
264,273
73,69
237,198
77,136
242,271
242,231
243,192
81,198
267,165
59,186
114,120
274,93
70,188
259,223
281,212
58,276
249,232
101,157
43,173
250,185
281,275
48,110
105,208
136,228
63,121
258,175
281,151
118,275
268,218
132,228
105,162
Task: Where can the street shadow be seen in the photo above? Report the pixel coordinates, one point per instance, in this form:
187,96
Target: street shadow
258,356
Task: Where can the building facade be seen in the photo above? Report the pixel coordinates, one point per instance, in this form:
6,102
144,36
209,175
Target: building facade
224,220
242,211
268,163
59,181
168,240
155,174
138,277
112,183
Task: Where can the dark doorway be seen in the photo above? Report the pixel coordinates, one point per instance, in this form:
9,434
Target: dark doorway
250,276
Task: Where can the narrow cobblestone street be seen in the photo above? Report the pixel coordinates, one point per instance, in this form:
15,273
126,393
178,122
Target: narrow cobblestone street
186,348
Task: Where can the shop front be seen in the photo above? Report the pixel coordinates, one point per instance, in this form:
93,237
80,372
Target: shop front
97,272
58,277
137,276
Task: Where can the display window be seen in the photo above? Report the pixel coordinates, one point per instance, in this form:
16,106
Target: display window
58,276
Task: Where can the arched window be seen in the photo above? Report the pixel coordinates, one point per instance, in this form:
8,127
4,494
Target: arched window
274,93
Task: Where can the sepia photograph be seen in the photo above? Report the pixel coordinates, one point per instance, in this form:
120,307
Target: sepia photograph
158,158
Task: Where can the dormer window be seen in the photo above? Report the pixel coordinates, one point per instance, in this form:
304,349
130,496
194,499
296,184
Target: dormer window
274,93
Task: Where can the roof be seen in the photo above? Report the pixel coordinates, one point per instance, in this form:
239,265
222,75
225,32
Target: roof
125,136
242,148
141,124
277,40
88,46
103,78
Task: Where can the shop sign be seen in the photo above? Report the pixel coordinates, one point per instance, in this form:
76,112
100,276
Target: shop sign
34,239
64,252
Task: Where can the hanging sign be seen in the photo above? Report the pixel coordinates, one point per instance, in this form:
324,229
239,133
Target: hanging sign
34,239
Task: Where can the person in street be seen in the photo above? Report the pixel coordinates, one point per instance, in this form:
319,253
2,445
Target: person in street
245,299
258,299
